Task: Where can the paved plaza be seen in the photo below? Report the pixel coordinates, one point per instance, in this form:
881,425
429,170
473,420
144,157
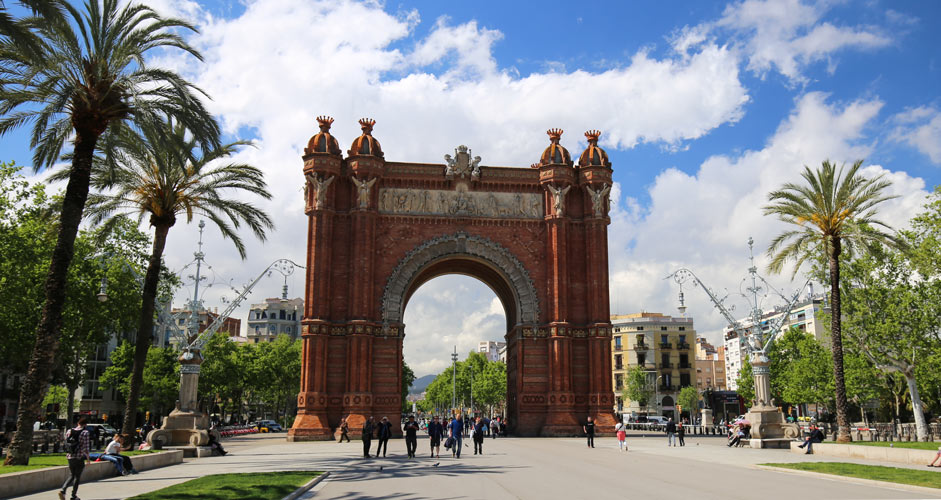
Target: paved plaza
519,468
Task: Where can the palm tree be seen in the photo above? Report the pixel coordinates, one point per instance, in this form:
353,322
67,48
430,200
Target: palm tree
834,213
83,71
163,174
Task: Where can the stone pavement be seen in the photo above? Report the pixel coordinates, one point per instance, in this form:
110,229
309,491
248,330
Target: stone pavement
518,468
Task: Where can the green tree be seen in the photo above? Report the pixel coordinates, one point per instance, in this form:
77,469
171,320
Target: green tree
833,213
277,375
221,376
164,174
746,383
801,369
490,385
83,71
56,395
408,377
688,398
27,240
893,316
638,387
161,378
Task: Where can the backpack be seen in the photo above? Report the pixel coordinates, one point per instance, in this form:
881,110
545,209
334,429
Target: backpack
72,442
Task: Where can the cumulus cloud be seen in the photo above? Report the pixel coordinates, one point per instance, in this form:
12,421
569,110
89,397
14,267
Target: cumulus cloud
920,128
702,221
787,35
272,69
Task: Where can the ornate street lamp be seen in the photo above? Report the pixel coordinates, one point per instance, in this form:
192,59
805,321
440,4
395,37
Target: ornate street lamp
768,425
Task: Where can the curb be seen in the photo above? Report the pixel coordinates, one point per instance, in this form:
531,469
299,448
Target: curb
857,480
304,489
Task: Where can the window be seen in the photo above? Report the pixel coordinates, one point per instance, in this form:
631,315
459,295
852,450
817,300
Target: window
665,360
664,339
282,314
618,365
663,328
708,369
667,379
708,381
617,342
619,381
682,328
641,359
684,380
639,328
682,339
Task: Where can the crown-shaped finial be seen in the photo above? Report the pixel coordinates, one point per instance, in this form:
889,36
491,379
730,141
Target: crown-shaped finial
325,122
366,124
535,165
554,135
593,136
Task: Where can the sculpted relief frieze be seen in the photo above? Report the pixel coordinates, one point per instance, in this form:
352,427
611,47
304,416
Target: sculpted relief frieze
460,202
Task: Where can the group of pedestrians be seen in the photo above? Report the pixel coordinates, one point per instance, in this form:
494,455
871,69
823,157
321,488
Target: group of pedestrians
451,432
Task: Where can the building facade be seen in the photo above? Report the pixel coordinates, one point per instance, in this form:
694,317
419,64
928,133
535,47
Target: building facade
274,317
710,366
661,345
495,351
805,316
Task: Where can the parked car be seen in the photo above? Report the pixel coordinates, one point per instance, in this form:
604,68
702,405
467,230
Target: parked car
105,431
268,426
657,419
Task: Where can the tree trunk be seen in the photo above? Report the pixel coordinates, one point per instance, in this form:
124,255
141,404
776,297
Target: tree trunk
42,359
921,427
145,330
836,344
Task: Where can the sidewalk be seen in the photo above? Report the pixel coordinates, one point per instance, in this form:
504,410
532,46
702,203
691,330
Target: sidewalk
515,468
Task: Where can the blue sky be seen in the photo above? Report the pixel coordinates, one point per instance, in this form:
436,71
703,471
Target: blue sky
705,107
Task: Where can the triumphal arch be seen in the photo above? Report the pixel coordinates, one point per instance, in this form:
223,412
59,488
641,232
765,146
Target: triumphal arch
377,230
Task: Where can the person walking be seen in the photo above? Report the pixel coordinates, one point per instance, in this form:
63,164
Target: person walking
435,432
77,447
411,436
457,430
368,427
384,432
479,431
344,431
671,433
494,428
622,436
681,433
589,429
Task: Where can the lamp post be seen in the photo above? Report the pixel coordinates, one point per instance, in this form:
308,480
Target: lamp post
472,389
454,379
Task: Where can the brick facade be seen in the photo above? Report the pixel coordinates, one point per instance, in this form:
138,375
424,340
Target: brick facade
377,230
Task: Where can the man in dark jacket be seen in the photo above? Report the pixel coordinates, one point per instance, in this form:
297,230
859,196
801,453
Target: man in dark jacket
78,447
384,432
816,436
435,432
368,427
671,433
479,427
411,436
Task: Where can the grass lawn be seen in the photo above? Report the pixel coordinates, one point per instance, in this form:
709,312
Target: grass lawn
50,460
247,486
916,445
927,477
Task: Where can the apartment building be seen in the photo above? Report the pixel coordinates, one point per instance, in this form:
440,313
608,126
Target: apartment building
661,345
273,317
710,366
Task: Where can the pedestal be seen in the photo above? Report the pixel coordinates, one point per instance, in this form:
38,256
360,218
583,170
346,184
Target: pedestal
186,425
706,417
769,429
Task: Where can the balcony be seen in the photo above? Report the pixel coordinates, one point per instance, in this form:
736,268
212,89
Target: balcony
619,367
666,366
682,346
666,345
617,347
647,366
666,388
640,346
685,366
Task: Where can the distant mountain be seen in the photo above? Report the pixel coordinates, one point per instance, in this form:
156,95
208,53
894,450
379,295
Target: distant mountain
420,384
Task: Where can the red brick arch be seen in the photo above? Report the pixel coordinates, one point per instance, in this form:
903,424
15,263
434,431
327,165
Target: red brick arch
378,230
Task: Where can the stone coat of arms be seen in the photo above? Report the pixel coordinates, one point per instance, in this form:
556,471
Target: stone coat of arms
462,165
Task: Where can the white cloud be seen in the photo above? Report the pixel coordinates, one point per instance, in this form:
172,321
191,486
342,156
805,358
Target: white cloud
283,62
702,221
788,35
920,128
